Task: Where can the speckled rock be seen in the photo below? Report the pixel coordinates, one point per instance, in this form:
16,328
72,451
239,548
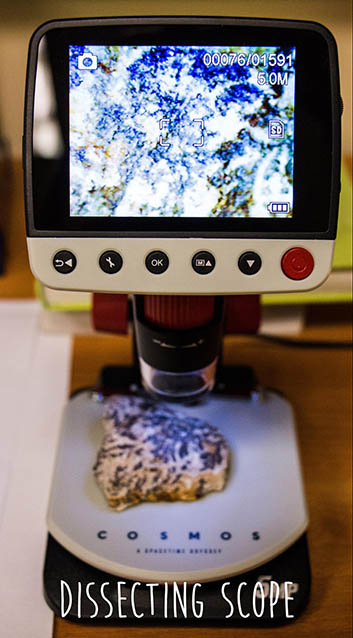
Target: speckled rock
151,452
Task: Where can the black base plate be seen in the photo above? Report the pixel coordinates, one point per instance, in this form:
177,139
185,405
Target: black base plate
60,565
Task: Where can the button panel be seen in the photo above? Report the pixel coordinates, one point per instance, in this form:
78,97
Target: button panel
297,263
203,262
286,265
249,263
110,262
64,262
157,262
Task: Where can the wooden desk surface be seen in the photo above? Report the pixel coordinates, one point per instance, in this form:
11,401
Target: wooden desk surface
318,383
17,282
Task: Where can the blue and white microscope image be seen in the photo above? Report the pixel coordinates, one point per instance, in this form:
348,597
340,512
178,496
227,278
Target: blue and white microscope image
181,131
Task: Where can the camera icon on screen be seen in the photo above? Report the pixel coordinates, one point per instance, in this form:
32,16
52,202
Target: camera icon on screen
87,62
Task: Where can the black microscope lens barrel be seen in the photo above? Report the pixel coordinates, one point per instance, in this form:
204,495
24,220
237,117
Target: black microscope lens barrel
178,350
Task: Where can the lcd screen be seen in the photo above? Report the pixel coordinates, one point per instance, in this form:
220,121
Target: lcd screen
181,131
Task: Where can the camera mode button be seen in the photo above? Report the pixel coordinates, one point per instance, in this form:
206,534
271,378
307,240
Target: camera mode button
157,262
203,262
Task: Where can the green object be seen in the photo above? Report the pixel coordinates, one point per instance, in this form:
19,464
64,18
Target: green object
338,287
62,300
343,249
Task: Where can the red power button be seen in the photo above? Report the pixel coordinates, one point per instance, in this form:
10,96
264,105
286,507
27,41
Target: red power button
297,263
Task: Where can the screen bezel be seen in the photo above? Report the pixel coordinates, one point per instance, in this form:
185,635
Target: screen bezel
317,130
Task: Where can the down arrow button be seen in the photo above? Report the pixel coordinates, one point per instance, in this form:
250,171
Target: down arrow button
249,263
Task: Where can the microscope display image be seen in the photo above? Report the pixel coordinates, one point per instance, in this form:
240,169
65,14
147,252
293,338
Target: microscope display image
181,131
153,452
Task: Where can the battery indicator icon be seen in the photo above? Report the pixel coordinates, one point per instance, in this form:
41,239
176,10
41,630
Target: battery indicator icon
279,208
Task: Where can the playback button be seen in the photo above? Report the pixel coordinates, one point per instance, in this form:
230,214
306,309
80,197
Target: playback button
64,262
249,263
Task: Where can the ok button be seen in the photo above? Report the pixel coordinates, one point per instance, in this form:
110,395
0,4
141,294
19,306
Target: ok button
157,262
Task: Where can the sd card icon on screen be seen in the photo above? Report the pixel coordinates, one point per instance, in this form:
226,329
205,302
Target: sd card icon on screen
276,129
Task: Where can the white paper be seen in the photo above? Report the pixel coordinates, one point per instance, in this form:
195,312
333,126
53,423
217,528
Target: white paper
34,374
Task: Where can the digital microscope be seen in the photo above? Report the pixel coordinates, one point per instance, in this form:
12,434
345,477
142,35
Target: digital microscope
193,164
